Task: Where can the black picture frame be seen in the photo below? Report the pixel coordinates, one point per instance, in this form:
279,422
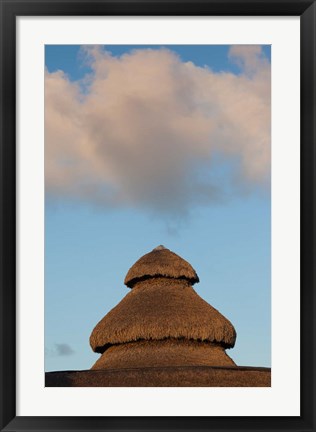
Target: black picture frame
10,9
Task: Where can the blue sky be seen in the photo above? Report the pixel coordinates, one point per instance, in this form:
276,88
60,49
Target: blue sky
156,145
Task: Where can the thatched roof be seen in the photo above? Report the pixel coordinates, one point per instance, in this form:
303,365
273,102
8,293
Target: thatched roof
169,376
160,262
168,352
161,308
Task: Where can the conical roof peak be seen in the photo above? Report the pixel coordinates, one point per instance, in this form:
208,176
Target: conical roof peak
160,262
160,247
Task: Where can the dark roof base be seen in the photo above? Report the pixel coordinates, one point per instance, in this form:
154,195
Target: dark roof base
176,376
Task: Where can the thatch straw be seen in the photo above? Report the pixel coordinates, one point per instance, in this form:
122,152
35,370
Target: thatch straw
160,262
168,376
168,352
162,308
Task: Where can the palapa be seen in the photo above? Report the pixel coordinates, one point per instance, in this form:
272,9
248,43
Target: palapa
162,320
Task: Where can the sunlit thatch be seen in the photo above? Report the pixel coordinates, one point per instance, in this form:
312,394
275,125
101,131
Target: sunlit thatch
162,308
160,262
167,352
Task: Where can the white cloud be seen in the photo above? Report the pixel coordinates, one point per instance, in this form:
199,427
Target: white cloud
149,125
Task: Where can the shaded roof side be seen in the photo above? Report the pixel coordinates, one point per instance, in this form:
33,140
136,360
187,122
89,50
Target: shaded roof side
159,309
176,376
160,262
